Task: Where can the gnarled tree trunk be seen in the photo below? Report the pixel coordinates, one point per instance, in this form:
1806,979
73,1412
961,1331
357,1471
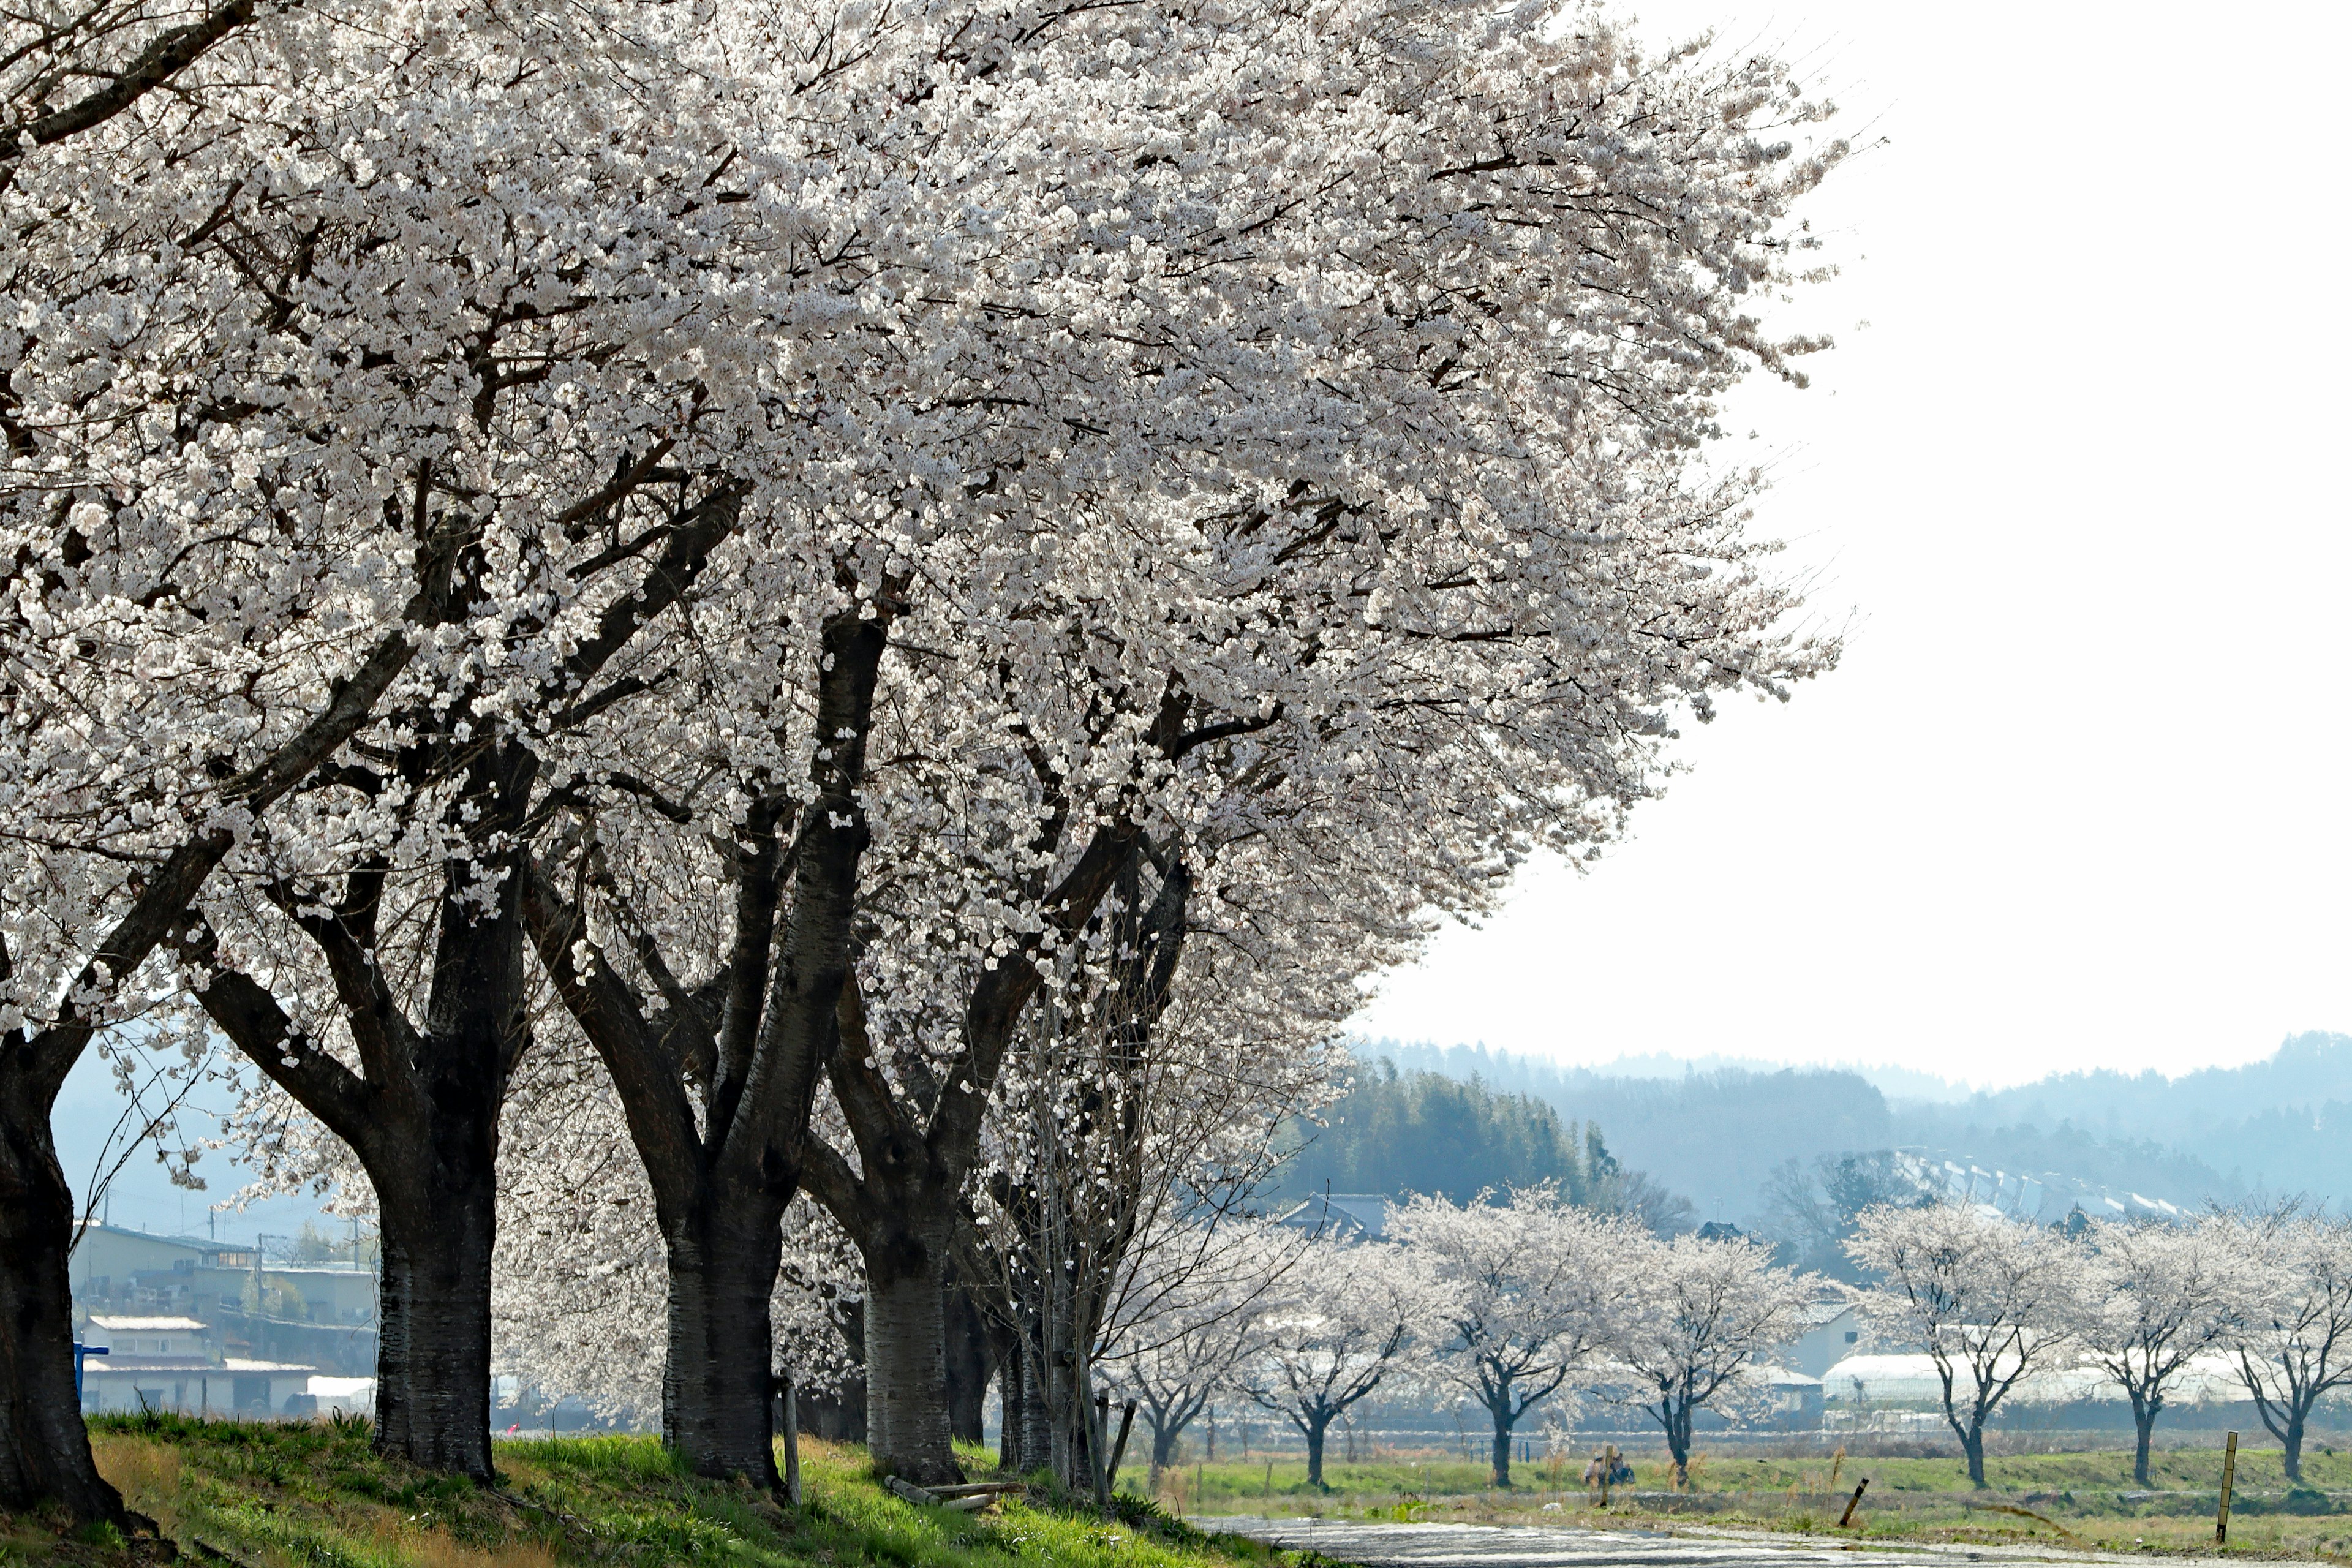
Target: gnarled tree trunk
44,1450
723,1260
906,1356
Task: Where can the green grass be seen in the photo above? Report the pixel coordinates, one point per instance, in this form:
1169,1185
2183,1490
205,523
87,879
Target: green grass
315,1496
2077,1499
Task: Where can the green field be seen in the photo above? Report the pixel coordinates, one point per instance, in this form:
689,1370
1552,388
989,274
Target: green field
2058,1499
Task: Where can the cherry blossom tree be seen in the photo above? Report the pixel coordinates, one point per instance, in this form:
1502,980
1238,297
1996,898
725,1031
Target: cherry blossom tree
1132,1129
1486,703
2291,1286
169,675
2156,1296
1697,1319
1024,448
1205,1330
1990,1298
1343,1326
1525,1293
559,382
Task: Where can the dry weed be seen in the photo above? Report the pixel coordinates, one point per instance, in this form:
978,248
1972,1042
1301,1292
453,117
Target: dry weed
144,1472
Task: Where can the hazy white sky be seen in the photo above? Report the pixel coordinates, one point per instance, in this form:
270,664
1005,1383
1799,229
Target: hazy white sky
2078,796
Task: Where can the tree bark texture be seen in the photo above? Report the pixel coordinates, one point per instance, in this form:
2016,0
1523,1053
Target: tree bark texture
906,1356
44,1448
2144,1413
432,1351
970,1362
722,1275
1502,1446
1036,1417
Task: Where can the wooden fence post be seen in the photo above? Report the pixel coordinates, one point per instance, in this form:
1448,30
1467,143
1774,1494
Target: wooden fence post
2228,1481
1852,1503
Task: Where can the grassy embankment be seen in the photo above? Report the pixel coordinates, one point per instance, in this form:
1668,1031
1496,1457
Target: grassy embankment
314,1495
2083,1499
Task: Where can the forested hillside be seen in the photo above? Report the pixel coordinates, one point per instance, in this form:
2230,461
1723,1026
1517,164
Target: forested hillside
1723,1134
1399,1132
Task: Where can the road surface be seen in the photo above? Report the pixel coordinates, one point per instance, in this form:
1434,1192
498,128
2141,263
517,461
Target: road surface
1536,1546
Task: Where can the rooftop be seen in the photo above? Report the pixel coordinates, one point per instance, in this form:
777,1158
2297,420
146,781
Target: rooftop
148,1325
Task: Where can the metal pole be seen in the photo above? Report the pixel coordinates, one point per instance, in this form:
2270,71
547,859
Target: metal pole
2228,1481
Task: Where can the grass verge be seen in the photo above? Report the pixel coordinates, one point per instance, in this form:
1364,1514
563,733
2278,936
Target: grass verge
315,1496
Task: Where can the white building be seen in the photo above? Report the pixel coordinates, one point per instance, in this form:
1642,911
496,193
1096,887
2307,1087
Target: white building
171,1364
1832,1331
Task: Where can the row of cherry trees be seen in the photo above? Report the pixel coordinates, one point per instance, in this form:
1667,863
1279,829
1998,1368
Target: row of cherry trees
1995,1301
1496,1304
1501,1305
815,603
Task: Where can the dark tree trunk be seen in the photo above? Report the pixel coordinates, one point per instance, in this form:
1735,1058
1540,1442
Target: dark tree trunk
1315,1427
1036,1417
2144,1413
1502,1415
2291,1444
425,1123
906,1355
433,1348
44,1448
1972,1444
1008,1394
1677,1423
971,1360
722,1274
1163,1445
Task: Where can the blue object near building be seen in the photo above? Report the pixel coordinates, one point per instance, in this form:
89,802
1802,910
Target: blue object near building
82,1353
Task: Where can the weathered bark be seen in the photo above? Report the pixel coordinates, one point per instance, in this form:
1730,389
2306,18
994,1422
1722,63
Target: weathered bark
44,1448
1502,1447
2290,1443
970,1360
906,1354
1972,1446
1009,1398
1036,1417
432,1352
722,1275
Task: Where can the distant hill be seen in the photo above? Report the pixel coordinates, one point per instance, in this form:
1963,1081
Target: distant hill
1401,1132
1714,1135
1720,1130
2278,1125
